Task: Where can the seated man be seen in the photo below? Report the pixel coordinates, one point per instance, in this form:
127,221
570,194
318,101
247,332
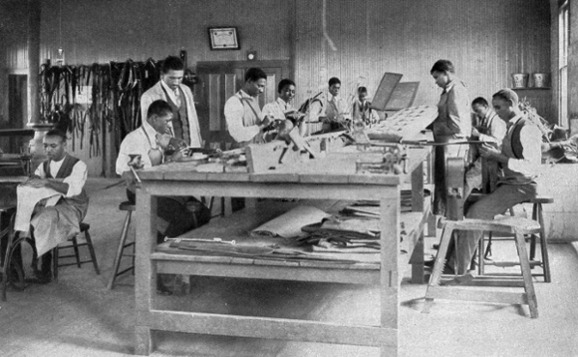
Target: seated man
53,224
488,128
148,146
519,158
362,111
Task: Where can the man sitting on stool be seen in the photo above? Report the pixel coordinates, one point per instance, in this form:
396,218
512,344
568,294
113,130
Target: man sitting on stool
55,224
148,146
519,158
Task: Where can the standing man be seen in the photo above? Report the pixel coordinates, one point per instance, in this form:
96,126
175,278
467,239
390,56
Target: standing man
52,224
185,124
284,102
245,122
336,110
519,158
452,124
488,127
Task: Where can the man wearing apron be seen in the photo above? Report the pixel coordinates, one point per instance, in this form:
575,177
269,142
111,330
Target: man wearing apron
184,125
144,148
245,122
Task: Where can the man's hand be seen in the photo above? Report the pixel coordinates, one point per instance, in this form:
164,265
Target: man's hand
36,182
267,120
490,152
179,154
475,133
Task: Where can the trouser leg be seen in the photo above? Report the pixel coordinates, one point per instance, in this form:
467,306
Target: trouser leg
498,202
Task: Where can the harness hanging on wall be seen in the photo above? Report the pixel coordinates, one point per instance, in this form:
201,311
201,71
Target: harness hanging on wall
105,96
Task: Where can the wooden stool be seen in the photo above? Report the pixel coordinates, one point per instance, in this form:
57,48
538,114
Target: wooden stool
56,257
537,215
129,208
511,225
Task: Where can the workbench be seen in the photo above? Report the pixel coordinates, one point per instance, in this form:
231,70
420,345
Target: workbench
333,177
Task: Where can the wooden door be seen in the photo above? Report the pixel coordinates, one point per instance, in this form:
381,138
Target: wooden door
218,81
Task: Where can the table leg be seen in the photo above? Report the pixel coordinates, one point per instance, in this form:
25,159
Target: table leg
145,277
390,233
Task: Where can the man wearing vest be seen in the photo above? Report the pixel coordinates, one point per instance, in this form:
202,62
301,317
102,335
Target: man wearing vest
55,224
184,125
519,159
245,122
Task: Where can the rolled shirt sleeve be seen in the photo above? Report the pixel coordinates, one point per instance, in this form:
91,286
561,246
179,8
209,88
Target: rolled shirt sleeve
530,137
133,144
76,180
234,112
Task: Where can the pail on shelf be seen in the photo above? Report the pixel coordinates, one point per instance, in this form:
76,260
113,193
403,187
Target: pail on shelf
541,80
520,80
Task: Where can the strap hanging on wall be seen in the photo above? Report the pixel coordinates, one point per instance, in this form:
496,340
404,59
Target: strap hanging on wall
102,95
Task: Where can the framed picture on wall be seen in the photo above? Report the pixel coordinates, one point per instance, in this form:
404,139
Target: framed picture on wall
223,38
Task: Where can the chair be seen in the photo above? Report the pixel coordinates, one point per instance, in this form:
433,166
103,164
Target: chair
9,212
129,208
56,257
517,226
537,215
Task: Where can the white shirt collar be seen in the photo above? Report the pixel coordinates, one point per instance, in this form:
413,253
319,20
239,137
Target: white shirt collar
166,86
514,120
151,132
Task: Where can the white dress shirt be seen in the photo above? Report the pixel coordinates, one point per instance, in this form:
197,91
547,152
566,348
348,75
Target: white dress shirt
277,109
137,142
75,181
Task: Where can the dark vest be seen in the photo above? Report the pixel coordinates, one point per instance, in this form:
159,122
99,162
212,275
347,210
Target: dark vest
512,148
180,118
81,200
516,144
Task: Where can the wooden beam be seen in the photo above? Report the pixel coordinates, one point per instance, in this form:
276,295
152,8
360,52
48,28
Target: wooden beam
273,328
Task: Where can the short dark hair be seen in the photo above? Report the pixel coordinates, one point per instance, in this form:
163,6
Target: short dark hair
508,95
334,80
254,74
172,63
158,108
480,101
361,90
284,83
56,132
443,66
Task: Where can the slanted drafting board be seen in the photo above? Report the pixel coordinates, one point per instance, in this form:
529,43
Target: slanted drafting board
383,93
403,96
405,124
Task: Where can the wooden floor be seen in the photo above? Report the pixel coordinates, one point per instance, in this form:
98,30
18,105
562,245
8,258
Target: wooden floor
78,316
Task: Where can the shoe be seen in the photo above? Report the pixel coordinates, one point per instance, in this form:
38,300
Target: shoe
40,278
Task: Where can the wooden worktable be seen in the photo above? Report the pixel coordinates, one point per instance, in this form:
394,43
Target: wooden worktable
329,178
